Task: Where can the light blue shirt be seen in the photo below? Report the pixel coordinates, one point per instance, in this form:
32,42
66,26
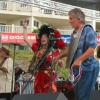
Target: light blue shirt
87,40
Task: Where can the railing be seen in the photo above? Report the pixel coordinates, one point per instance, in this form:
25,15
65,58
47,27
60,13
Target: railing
62,9
15,6
13,29
52,12
47,7
19,29
5,28
98,14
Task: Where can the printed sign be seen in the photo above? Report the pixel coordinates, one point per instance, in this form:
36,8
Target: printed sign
17,37
98,39
66,38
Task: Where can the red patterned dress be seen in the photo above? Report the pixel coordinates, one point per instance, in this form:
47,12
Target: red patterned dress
46,75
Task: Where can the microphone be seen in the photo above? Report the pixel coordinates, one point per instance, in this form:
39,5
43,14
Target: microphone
54,39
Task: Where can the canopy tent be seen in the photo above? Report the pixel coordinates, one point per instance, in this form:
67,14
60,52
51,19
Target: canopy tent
90,4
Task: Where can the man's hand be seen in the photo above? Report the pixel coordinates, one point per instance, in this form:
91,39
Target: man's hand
77,63
4,70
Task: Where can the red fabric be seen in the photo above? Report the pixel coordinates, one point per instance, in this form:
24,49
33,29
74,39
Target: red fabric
57,34
43,83
54,54
68,86
42,80
59,43
35,46
65,85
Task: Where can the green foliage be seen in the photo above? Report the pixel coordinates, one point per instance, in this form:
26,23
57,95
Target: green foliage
35,31
65,73
22,54
62,71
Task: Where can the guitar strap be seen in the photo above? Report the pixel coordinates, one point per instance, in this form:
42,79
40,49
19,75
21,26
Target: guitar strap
41,61
73,48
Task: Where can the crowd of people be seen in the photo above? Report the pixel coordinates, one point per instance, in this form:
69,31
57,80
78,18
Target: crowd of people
47,53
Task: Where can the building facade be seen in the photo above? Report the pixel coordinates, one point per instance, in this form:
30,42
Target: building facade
38,12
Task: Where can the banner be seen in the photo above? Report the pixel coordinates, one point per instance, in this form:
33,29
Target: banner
98,39
66,38
17,38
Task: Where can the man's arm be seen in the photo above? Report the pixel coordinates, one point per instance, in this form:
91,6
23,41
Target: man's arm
63,54
83,57
88,53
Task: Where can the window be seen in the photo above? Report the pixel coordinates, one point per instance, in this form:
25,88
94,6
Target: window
36,23
47,11
21,22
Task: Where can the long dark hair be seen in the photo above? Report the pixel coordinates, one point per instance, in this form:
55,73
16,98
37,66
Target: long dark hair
45,30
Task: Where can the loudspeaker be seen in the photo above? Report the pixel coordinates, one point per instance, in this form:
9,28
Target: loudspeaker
48,96
95,95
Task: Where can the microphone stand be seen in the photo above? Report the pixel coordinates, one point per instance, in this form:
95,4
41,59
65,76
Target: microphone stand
13,72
